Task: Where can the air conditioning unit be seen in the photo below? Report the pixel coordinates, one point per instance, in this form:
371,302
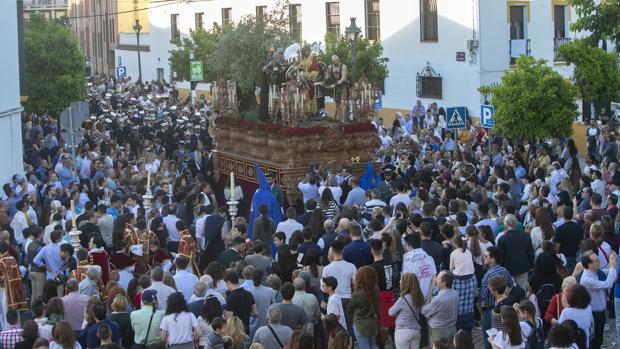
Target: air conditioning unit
472,45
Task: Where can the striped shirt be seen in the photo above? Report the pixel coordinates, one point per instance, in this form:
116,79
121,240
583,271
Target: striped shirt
485,294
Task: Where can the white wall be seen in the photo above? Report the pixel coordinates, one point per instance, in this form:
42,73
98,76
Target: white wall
458,21
11,155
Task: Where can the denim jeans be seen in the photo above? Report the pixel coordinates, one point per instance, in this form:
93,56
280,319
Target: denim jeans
365,342
485,324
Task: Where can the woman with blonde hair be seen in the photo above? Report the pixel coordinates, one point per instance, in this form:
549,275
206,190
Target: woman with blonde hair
236,331
558,302
120,314
364,308
407,312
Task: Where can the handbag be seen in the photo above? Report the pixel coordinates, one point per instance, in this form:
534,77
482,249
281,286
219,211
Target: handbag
148,329
423,325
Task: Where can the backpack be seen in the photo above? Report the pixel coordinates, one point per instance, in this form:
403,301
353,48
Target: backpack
536,339
543,297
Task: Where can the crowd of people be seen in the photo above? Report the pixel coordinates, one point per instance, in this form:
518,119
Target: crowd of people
458,235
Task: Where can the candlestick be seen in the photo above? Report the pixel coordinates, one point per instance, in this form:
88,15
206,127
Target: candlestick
232,184
73,214
148,180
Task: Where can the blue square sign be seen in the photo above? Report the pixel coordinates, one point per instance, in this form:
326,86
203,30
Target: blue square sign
456,117
486,116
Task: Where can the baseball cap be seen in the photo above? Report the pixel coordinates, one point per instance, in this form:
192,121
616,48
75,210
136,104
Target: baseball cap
149,296
20,177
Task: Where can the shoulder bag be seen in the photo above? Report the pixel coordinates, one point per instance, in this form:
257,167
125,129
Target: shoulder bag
148,329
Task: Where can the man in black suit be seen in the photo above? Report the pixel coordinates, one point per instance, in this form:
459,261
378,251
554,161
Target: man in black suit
213,237
233,254
516,247
345,186
305,218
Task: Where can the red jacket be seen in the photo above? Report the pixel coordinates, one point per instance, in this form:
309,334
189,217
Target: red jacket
555,308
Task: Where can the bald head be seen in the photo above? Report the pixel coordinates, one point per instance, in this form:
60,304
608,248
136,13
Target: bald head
299,284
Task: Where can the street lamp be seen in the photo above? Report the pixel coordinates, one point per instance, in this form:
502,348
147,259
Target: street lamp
352,32
137,27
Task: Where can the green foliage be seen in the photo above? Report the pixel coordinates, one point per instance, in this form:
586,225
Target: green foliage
596,73
203,42
598,18
533,101
242,51
369,57
55,67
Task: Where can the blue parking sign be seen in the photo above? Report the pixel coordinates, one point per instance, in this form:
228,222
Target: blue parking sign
121,72
486,116
456,117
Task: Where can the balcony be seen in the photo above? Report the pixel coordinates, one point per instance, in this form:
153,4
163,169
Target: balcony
45,4
517,48
557,43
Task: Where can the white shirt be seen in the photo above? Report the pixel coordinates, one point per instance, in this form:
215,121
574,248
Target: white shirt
334,306
344,272
185,282
19,223
336,192
461,263
583,318
603,257
163,292
288,227
422,265
309,191
404,198
200,230
179,327
597,288
503,341
598,186
170,221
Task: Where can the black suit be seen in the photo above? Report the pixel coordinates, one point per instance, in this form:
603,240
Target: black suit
346,188
213,237
516,247
304,218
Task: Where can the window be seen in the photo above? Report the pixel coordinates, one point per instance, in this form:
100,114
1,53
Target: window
428,83
174,27
226,15
517,22
260,13
430,87
519,44
373,30
428,20
294,18
198,18
332,16
559,21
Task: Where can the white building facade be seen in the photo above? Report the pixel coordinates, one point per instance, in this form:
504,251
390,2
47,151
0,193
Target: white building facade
439,50
11,155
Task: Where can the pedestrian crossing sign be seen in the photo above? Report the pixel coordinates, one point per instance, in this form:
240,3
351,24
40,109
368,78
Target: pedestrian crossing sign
456,117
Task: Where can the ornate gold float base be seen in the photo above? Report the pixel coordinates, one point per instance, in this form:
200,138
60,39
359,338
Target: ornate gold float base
290,152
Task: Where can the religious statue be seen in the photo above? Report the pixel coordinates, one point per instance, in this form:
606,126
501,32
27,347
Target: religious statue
337,72
274,75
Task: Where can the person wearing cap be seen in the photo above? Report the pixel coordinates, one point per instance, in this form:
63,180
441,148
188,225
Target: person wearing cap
140,319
